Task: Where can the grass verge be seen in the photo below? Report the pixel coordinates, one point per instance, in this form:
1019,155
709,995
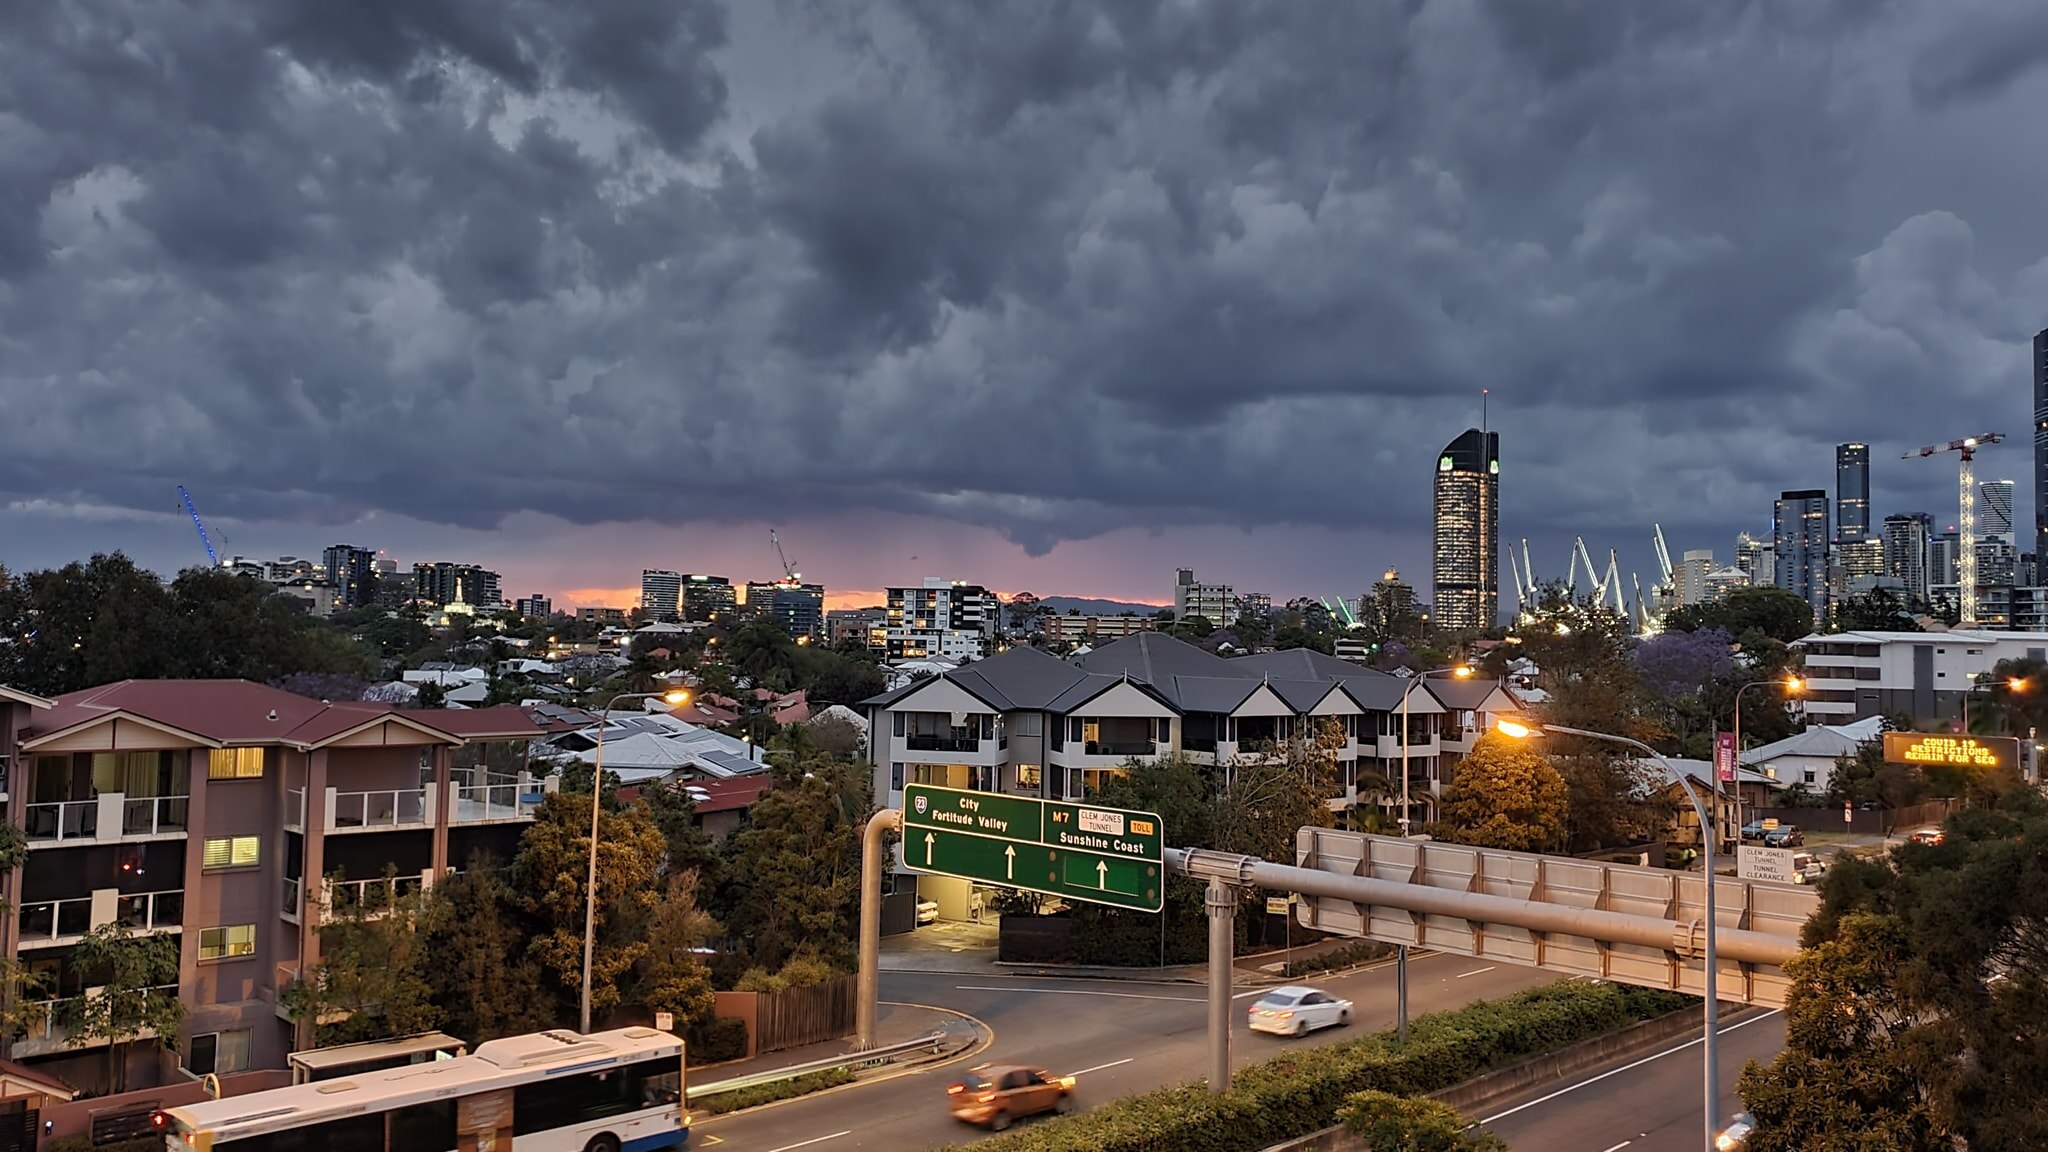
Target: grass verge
722,1102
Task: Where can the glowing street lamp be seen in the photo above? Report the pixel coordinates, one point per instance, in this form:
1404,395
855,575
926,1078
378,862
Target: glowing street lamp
671,697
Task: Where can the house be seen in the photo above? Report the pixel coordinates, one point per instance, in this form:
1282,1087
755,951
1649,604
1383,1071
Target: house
1026,723
1807,759
650,746
231,815
1757,790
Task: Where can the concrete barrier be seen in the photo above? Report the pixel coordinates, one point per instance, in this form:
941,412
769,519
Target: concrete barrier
1480,1091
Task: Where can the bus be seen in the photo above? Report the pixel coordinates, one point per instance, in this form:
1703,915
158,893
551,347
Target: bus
344,1060
560,1091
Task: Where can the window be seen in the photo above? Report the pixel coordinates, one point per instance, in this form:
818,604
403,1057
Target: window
896,777
235,764
896,722
1029,776
1809,775
1165,732
231,852
219,1053
227,942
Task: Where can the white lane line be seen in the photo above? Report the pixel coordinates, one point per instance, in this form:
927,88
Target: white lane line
812,1140
1253,992
1620,1146
1100,1067
1488,968
1624,1068
1077,992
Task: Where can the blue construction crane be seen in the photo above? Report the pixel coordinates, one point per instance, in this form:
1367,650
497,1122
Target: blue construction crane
211,557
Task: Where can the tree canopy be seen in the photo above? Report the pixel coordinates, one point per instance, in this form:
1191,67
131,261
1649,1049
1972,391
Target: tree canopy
1766,611
1506,795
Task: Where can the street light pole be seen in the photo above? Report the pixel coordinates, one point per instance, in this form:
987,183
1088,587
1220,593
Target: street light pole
597,795
1401,951
1792,684
1712,982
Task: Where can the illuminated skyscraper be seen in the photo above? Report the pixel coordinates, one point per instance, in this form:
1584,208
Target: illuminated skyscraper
1799,537
1852,491
1466,576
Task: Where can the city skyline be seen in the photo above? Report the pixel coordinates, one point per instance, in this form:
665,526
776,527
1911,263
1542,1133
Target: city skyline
875,270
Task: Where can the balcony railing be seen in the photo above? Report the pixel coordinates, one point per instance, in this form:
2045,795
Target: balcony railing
290,907
925,742
48,921
370,895
64,820
383,808
53,1024
501,798
1118,748
154,815
295,809
152,911
1198,743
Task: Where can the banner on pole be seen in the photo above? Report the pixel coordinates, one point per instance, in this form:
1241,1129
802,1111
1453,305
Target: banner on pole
1724,757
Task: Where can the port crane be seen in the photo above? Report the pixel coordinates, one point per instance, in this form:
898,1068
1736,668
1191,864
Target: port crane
1966,518
789,573
212,557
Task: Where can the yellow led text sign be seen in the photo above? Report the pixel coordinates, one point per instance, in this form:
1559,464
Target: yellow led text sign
1935,750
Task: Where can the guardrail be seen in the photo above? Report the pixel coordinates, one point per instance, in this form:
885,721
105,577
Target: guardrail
934,1040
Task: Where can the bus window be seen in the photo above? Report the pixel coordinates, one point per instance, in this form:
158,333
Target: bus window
429,1125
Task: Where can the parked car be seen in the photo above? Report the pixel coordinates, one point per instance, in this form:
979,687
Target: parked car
1753,832
1735,1136
1784,836
1927,835
995,1094
1807,868
927,911
1296,1010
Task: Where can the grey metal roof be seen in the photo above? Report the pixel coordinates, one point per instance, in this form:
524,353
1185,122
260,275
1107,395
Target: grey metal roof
1305,664
1210,693
1302,695
1022,677
1463,695
1153,657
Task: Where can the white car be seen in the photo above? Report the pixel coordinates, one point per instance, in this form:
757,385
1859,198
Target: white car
927,911
1295,1010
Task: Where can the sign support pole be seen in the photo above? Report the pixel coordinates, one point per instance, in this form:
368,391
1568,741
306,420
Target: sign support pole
1221,902
1401,993
870,980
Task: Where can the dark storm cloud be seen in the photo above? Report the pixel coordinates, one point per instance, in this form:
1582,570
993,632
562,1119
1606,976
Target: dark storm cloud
1054,267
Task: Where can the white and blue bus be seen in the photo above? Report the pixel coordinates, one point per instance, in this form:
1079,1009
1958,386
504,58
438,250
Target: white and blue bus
618,1091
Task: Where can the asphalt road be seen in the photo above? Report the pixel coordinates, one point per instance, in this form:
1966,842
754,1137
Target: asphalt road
1120,1036
1644,1103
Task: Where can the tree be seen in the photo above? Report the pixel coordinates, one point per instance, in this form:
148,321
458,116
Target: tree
1505,795
482,978
551,874
1384,1122
688,849
793,867
1769,612
2000,708
1865,778
1878,610
137,982
371,980
431,695
670,977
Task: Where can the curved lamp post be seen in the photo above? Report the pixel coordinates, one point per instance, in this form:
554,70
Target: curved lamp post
1793,685
2016,684
1461,671
1711,1040
674,696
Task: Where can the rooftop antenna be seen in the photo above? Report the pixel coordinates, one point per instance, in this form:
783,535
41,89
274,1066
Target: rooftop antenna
1483,394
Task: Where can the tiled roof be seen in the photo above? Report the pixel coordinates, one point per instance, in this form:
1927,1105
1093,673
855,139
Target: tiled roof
241,712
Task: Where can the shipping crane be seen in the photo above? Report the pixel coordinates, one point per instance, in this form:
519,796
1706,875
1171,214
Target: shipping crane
212,558
789,574
1966,519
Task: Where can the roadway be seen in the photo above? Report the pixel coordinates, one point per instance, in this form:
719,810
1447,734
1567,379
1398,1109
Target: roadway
1120,1036
1649,1102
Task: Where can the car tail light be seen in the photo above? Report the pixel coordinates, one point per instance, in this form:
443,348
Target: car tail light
954,1090
986,1097
1285,1015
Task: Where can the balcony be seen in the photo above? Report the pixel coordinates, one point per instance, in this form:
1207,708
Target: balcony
55,921
106,818
151,911
295,809
501,798
1143,748
55,1022
928,742
50,922
372,897
380,809
289,907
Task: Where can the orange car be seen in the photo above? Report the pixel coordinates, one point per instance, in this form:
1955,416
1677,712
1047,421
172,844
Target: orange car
995,1094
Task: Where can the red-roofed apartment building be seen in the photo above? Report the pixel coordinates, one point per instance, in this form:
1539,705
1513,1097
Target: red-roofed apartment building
201,807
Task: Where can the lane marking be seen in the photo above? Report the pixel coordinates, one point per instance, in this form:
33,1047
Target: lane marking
1100,1067
813,1140
1624,1068
1477,971
1080,992
1620,1146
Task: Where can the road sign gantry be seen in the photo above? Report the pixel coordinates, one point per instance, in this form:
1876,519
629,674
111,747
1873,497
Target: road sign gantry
1080,852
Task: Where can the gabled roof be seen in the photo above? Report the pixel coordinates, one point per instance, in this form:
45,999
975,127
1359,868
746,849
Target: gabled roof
18,697
1018,679
1821,741
1465,695
1153,657
1219,694
1094,684
227,713
1307,664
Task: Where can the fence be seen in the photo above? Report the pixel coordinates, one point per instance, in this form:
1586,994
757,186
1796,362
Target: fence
1863,821
792,1019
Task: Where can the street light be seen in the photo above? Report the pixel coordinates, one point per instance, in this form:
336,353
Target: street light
1712,982
1462,672
673,696
1793,685
2015,684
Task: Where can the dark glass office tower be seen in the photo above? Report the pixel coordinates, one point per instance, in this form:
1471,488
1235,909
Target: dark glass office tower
1466,595
1852,491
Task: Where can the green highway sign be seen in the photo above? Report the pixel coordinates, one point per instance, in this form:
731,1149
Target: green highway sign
1074,851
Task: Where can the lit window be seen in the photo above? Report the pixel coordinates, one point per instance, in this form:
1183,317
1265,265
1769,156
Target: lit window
227,942
235,764
231,852
1029,776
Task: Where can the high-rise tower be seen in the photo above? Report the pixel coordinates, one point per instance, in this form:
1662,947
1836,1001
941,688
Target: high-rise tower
1852,491
2041,443
1994,512
1799,537
1466,576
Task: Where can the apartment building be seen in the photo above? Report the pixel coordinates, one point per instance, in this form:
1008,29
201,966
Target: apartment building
1923,675
1093,631
1215,603
231,815
706,598
661,593
945,618
1026,723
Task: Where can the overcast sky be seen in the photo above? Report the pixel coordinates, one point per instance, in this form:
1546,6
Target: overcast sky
1048,295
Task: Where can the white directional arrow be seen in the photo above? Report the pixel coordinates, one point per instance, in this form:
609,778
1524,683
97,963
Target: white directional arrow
1010,862
1102,874
929,840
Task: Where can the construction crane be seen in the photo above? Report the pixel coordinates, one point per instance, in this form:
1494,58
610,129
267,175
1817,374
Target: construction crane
212,558
1966,519
789,574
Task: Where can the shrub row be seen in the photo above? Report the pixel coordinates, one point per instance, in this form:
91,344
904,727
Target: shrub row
1343,956
803,1085
717,1041
1300,1093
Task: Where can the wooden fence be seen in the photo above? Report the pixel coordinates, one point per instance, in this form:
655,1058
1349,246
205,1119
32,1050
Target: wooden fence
803,1016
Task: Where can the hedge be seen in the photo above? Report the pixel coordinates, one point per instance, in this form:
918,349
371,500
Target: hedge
723,1038
1343,956
1300,1093
738,1098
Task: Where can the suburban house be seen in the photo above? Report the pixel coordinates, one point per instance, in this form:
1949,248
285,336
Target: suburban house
1026,723
1807,759
643,746
230,815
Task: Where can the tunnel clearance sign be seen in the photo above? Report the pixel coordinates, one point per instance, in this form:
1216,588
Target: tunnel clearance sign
1077,852
1939,750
